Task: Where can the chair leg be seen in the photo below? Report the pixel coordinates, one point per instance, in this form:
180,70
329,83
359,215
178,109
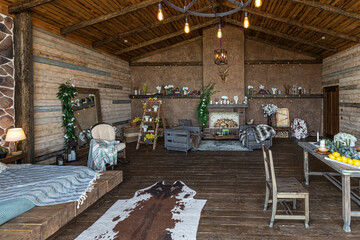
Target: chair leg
273,211
307,217
267,194
294,203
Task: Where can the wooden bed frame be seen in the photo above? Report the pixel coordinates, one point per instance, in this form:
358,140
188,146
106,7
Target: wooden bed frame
41,222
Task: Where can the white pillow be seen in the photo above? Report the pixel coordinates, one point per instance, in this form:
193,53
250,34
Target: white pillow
3,167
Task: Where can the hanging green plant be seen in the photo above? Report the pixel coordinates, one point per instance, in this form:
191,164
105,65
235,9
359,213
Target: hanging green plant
202,111
66,92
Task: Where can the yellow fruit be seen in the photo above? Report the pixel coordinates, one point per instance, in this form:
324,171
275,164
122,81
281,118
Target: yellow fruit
356,163
350,161
332,156
344,159
339,159
336,154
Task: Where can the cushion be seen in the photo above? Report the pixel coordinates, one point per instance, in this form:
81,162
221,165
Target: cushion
3,167
10,209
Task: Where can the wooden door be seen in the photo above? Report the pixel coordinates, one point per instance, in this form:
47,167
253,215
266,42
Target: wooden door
331,111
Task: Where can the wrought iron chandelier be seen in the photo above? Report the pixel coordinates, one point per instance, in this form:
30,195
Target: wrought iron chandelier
187,6
220,56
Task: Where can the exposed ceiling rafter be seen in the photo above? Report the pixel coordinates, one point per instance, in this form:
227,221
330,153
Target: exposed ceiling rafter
282,35
21,6
329,8
298,24
148,54
165,37
107,16
141,29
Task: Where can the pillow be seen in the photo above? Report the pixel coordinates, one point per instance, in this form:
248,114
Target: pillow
10,209
3,167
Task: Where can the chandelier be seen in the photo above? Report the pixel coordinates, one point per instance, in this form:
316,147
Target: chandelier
187,6
220,56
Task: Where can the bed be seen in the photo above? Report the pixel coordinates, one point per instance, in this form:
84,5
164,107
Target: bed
24,186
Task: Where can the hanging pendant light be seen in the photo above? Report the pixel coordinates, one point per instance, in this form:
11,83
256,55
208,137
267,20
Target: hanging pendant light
187,27
246,20
219,32
258,3
220,56
160,15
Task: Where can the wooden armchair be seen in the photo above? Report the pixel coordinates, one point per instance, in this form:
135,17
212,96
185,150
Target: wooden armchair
250,140
282,190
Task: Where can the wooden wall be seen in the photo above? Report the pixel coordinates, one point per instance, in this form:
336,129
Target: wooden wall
55,61
343,70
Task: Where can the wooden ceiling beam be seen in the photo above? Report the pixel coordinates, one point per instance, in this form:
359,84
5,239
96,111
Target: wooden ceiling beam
149,54
282,35
141,29
292,49
329,8
25,5
165,37
298,24
107,16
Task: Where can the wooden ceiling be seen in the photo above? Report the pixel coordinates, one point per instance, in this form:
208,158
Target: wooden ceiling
130,29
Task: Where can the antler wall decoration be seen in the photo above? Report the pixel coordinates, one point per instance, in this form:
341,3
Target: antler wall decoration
224,74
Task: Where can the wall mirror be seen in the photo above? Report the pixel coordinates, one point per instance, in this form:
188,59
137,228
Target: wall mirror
87,112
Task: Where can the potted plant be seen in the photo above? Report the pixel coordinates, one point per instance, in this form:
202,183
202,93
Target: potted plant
92,97
155,107
144,127
147,118
134,122
158,88
149,138
250,89
269,110
3,151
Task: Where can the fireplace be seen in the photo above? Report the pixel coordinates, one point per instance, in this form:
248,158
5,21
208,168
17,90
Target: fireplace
228,116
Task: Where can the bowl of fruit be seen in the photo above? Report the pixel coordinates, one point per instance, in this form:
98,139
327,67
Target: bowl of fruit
345,160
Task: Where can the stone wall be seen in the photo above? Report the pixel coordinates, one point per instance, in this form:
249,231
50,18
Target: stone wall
343,70
7,82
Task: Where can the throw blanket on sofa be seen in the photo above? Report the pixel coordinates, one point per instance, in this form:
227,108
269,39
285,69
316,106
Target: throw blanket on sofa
47,184
102,152
261,133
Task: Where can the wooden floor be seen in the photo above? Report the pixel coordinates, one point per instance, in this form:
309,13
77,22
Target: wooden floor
233,183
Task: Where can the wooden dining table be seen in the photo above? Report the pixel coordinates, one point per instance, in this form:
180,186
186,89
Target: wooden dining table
345,172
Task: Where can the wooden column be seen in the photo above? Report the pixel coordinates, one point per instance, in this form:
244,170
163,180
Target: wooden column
24,84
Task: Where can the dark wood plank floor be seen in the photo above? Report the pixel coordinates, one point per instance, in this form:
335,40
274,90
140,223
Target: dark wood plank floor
233,184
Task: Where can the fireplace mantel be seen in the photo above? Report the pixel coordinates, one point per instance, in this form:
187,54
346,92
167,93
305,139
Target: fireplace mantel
228,106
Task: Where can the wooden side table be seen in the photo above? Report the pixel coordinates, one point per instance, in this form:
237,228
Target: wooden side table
14,159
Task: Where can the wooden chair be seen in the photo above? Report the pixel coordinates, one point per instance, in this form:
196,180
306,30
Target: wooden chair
283,189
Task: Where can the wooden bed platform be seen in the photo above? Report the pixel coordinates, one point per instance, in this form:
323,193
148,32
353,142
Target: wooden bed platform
42,222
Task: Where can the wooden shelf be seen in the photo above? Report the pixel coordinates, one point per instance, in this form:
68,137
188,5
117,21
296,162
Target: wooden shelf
285,96
164,96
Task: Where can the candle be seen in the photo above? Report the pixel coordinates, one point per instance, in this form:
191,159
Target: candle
322,143
317,137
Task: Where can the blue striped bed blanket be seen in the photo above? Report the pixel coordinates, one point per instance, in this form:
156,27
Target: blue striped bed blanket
47,184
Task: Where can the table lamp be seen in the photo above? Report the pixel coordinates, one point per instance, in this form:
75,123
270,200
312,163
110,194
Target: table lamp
15,135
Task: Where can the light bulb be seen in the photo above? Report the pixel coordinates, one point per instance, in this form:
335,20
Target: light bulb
219,33
258,3
160,15
187,27
246,21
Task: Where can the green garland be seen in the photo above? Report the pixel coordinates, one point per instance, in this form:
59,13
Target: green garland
66,92
202,111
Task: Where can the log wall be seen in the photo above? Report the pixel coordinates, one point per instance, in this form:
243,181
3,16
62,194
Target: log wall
343,70
57,60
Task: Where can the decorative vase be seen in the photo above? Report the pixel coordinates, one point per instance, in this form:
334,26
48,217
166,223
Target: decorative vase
250,91
145,88
269,121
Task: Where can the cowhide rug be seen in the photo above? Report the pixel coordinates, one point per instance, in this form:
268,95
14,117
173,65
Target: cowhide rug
158,212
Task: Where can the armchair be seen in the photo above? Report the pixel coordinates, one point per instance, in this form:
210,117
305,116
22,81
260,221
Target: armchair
250,140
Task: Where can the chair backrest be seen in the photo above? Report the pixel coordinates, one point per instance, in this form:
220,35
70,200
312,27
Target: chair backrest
103,131
269,169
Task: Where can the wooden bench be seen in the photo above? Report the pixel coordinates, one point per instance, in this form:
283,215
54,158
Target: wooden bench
42,222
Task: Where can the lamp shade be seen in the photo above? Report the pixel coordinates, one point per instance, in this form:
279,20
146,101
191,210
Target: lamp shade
15,134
